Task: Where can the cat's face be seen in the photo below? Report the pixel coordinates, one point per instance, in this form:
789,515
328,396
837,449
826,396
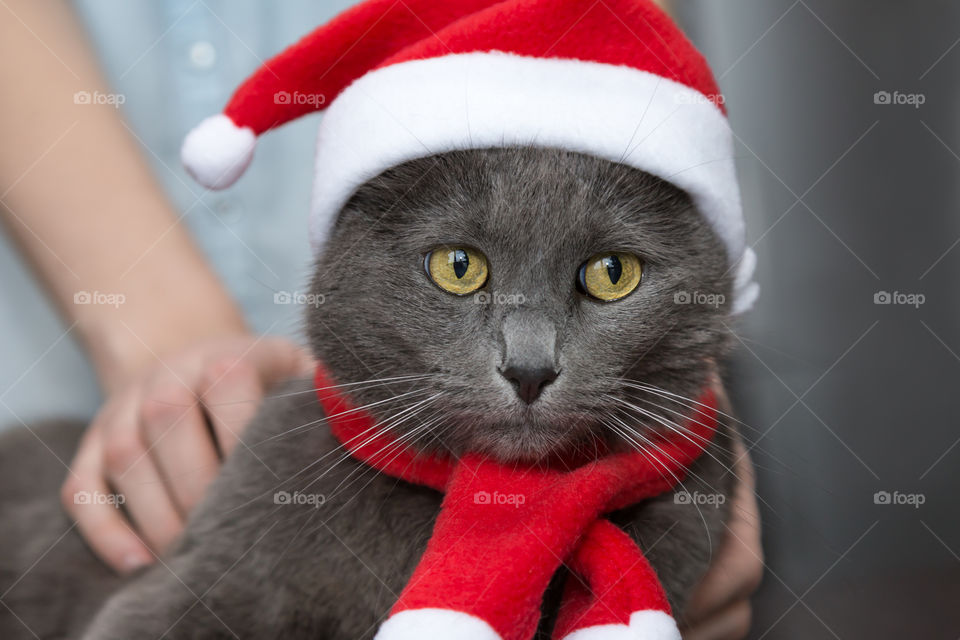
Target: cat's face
525,362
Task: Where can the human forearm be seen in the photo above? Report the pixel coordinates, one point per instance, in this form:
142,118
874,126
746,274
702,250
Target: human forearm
80,201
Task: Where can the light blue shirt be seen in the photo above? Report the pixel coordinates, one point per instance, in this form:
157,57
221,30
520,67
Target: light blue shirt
175,62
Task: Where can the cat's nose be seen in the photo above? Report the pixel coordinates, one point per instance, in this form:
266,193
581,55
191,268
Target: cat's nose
529,381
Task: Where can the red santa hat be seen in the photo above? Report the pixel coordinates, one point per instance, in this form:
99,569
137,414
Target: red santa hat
405,80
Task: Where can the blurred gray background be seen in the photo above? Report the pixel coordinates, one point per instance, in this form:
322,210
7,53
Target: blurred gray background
845,398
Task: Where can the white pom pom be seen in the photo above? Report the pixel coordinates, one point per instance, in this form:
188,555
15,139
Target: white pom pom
217,151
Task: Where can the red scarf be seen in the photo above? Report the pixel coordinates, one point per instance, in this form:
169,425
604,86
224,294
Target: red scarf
503,531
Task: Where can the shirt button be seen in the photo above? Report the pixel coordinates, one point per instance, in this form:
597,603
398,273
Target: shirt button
202,55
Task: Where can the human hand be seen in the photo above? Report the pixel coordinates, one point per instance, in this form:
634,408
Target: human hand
159,442
720,606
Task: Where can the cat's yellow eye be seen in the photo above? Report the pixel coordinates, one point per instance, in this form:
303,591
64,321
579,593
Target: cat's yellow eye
610,276
459,270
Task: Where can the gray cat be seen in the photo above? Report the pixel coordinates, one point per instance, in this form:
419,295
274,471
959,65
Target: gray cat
533,367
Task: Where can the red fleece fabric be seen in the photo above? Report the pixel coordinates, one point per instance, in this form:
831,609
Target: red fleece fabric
504,530
379,33
328,59
607,563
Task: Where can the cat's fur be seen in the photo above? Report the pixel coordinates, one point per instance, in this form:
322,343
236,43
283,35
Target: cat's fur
249,567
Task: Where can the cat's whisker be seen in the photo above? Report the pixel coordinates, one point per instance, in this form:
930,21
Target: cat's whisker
729,469
374,382
693,474
409,438
633,435
364,384
688,404
672,474
375,472
346,412
393,421
666,422
388,425
435,434
682,427
682,400
377,456
395,448
630,436
402,440
706,450
682,431
380,429
322,420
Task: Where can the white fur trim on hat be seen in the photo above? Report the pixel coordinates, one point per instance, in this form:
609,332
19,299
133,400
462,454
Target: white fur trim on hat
217,152
438,624
644,625
420,108
745,290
